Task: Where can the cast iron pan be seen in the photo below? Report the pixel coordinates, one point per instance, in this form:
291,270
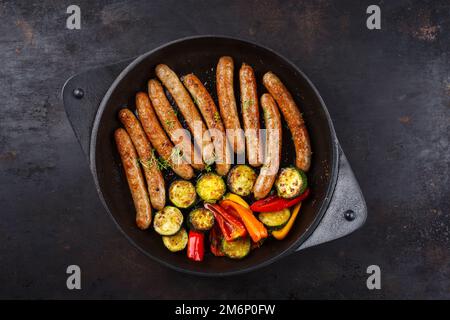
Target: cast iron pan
335,192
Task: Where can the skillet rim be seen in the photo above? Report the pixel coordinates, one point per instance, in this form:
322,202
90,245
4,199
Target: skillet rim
321,211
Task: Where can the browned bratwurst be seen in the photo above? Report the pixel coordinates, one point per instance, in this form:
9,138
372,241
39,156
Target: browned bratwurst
269,170
293,118
250,114
227,103
159,139
172,125
188,110
213,121
135,179
153,176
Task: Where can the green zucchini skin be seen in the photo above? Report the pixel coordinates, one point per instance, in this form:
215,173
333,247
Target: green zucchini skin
236,249
176,242
275,219
210,187
291,182
168,221
182,194
241,180
201,219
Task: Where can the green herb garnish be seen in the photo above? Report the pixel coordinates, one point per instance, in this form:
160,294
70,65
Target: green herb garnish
163,164
247,103
170,124
176,155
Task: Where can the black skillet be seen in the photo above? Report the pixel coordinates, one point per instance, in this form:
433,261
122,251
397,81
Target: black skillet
93,98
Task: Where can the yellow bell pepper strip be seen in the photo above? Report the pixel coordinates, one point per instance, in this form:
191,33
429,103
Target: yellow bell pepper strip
255,228
235,198
282,233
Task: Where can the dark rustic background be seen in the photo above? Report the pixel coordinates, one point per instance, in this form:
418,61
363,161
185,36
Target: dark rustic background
388,92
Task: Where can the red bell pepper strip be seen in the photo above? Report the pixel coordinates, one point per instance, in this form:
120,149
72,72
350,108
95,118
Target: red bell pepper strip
255,228
265,201
231,227
275,203
196,246
215,240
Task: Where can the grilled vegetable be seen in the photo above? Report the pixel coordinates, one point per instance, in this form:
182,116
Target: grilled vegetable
201,219
283,232
275,203
230,225
236,249
291,182
235,198
215,240
210,187
255,228
182,194
168,221
177,242
275,219
196,245
241,180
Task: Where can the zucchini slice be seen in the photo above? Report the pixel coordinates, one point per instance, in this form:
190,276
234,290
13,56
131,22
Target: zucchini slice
201,219
291,183
168,221
210,187
236,249
275,219
182,194
241,180
177,242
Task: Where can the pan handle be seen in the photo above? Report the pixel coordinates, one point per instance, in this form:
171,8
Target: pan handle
346,212
82,94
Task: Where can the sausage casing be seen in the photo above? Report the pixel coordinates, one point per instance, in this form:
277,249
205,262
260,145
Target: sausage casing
250,114
153,176
159,139
269,170
293,118
188,109
172,125
213,120
227,103
135,179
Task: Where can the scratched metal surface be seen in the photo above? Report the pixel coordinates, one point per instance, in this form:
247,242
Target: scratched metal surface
388,92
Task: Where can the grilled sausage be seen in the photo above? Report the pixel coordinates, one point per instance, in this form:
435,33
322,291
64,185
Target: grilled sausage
227,103
293,118
172,125
212,118
250,114
159,139
188,110
269,170
135,179
153,176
